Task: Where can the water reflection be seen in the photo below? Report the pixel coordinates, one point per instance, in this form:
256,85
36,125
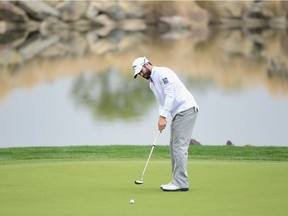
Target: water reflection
238,77
111,97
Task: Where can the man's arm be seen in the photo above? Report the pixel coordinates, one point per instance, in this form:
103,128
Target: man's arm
162,123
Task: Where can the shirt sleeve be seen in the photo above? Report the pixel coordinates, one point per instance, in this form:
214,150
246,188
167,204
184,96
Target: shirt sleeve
167,85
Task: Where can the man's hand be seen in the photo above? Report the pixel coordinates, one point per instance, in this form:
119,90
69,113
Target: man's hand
162,123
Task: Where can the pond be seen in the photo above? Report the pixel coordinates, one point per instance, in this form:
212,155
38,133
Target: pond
240,82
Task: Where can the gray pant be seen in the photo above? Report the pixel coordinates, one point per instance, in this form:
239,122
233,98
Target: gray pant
181,130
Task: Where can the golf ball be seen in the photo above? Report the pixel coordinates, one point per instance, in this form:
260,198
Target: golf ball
132,201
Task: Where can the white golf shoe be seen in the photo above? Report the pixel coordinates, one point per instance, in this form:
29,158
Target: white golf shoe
166,185
173,187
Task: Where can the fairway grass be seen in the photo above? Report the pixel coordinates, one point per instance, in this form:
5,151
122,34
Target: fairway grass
104,188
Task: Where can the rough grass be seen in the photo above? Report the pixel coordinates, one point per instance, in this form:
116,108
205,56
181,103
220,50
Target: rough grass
86,153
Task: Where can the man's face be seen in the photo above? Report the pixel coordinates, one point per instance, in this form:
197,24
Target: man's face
145,72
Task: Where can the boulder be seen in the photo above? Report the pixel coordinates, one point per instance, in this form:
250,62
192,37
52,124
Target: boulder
104,31
102,46
11,13
36,46
130,40
13,26
132,25
227,9
229,143
132,9
176,34
39,9
2,27
52,25
56,50
72,10
248,145
13,39
104,20
195,142
10,57
116,13
92,37
82,25
103,6
52,2
91,12
176,22
75,44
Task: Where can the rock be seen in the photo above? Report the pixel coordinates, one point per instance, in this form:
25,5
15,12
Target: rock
57,50
13,39
103,6
227,9
32,26
132,9
104,31
254,22
195,142
91,12
72,10
92,37
52,25
104,20
176,34
37,46
82,25
75,43
229,143
102,46
116,13
11,13
278,22
2,27
130,40
248,145
10,57
252,14
176,22
39,9
52,2
14,26
132,25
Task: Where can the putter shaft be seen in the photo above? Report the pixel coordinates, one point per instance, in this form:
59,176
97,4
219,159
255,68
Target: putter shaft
145,167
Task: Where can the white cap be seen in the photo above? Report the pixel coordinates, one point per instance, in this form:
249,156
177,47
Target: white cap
138,64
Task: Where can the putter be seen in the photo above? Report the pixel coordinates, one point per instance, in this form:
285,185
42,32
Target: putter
141,181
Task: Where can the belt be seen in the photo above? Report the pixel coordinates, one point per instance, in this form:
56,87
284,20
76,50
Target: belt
194,109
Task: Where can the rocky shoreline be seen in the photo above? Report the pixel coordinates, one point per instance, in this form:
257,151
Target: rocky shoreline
59,28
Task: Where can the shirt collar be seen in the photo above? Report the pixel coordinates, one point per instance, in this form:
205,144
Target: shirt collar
152,74
153,71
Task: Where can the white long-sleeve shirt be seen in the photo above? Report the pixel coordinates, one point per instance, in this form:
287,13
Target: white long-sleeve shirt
171,94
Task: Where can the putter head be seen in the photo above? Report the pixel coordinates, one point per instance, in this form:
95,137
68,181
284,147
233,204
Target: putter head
138,182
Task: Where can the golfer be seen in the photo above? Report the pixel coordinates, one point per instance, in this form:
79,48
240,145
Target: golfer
173,98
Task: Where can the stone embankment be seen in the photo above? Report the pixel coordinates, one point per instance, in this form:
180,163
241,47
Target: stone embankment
52,16
247,14
60,28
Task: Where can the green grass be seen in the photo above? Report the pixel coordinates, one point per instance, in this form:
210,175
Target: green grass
86,188
86,153
88,181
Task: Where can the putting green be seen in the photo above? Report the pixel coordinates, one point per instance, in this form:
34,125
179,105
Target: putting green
105,188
